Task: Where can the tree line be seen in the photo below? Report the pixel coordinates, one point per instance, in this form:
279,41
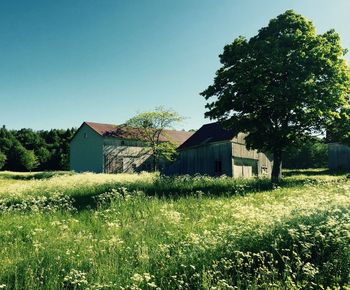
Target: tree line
26,149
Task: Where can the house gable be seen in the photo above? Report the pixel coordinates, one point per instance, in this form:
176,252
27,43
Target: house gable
213,150
86,150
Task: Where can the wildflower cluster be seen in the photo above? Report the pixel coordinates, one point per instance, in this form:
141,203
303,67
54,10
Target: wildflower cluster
132,236
55,202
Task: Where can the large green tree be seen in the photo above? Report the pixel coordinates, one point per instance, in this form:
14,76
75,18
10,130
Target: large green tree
280,86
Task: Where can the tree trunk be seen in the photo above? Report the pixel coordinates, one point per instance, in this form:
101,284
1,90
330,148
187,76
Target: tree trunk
276,168
154,161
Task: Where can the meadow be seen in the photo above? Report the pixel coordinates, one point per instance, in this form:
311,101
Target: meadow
61,230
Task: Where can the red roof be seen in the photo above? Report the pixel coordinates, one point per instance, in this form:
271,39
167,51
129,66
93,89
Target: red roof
101,129
124,132
208,133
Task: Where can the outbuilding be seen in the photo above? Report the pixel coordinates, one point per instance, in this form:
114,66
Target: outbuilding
110,148
212,150
215,151
338,156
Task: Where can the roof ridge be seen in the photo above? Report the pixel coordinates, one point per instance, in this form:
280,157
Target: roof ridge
124,125
111,130
208,133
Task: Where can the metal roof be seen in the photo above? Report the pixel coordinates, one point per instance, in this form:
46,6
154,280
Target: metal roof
209,133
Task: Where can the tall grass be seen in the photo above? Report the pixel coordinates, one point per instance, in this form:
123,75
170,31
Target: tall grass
216,234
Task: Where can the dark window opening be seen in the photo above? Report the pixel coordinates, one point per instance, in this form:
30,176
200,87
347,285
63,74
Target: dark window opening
218,166
122,143
85,135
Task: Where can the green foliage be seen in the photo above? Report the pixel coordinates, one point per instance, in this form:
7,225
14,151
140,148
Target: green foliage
158,119
28,159
47,150
21,159
339,131
294,237
280,86
2,159
313,153
166,150
151,127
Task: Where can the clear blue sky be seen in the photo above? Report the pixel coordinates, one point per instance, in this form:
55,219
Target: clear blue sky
68,61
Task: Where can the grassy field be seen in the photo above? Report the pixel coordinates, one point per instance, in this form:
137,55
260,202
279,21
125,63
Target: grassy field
94,231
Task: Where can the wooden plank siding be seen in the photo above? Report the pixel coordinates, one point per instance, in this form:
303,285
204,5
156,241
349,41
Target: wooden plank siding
213,151
212,159
230,158
259,163
125,156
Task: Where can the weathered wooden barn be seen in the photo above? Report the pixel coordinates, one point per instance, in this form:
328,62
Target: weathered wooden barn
215,151
113,149
338,156
211,150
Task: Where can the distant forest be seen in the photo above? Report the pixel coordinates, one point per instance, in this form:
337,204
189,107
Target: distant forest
29,150
26,149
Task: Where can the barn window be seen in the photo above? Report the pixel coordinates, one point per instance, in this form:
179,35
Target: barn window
122,143
218,166
85,135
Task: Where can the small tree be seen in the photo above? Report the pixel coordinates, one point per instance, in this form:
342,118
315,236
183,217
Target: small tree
281,86
2,159
43,155
29,160
21,159
150,127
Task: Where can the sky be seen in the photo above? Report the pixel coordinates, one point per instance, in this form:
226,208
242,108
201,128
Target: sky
68,61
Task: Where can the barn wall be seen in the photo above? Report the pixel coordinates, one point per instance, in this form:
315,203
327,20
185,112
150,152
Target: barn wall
241,151
211,159
86,151
265,165
247,163
338,156
125,156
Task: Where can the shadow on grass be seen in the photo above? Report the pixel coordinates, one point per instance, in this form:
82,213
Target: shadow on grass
173,188
34,175
178,187
314,172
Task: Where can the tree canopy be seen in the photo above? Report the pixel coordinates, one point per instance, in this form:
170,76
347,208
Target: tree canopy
312,153
280,86
26,149
151,126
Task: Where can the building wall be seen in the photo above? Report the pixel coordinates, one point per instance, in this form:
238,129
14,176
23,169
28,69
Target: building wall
265,165
92,152
86,151
213,159
221,158
338,156
125,156
247,163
